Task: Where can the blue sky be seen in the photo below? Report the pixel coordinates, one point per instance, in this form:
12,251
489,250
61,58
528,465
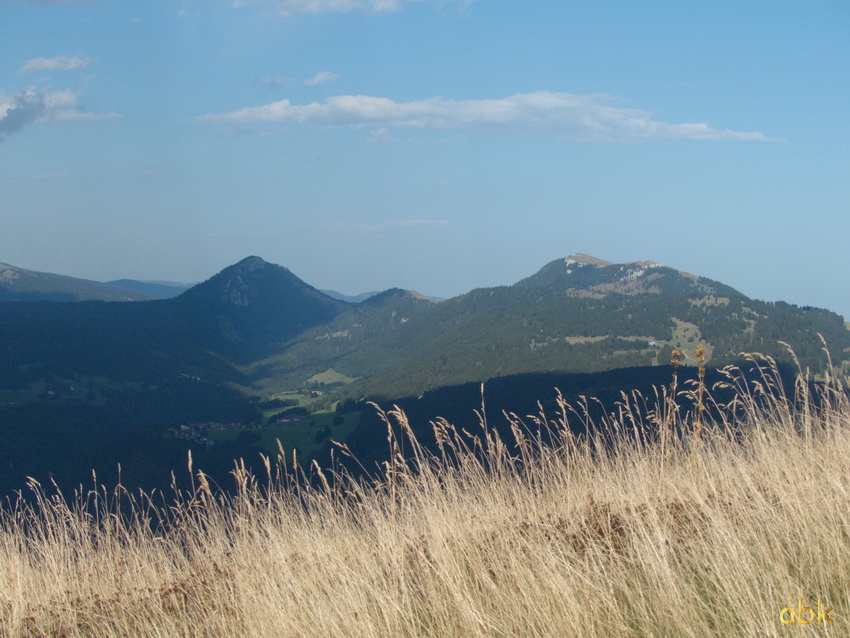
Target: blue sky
433,145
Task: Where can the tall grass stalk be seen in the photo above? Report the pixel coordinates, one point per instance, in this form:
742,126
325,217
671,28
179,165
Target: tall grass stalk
629,530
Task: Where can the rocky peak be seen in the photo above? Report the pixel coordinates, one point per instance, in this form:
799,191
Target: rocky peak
580,259
251,264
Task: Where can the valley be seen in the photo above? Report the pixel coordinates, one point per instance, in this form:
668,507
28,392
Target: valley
255,344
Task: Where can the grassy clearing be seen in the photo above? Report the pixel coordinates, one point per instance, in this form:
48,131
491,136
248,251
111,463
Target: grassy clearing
301,436
642,528
330,377
295,398
685,332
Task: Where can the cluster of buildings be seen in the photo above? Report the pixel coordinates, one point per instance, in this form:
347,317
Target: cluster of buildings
196,432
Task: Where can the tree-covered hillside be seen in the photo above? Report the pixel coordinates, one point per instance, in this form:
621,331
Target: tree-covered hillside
256,330
20,284
586,317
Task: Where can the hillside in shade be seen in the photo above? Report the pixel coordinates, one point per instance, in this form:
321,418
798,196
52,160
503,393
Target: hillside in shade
19,284
577,314
92,382
257,324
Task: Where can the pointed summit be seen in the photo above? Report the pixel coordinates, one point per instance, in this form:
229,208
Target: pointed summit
246,282
252,263
257,304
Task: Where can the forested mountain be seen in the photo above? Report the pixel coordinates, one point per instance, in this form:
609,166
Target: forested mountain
244,310
256,324
584,276
87,384
364,340
94,375
252,307
578,314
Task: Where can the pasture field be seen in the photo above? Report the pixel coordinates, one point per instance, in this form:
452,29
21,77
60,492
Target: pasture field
302,435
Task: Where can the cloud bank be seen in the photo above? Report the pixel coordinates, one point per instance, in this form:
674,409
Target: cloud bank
569,116
287,7
58,63
34,106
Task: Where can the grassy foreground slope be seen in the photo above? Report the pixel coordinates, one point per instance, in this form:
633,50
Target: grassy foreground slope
651,526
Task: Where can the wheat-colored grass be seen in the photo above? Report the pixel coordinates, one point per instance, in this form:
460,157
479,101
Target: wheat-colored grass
624,532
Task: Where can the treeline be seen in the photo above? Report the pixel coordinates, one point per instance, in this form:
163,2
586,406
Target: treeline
529,396
503,331
59,440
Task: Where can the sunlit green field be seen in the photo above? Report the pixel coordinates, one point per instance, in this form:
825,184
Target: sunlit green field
301,435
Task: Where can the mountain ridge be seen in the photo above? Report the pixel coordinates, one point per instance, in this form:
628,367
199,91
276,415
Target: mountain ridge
255,334
582,275
21,284
578,313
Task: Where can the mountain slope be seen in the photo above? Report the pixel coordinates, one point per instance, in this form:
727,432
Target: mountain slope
254,306
257,323
19,284
364,340
202,335
582,314
72,375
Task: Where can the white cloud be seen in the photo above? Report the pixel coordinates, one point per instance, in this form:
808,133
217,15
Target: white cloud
288,7
35,106
573,117
58,63
321,78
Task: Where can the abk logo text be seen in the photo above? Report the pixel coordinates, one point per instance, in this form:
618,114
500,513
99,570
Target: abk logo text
805,615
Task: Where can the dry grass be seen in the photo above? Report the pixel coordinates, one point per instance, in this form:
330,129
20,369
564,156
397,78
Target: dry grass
627,533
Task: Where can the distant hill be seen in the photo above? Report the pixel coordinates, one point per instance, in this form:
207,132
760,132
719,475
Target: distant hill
588,277
85,384
364,340
349,298
252,307
73,374
258,325
582,314
577,314
157,289
202,335
19,284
